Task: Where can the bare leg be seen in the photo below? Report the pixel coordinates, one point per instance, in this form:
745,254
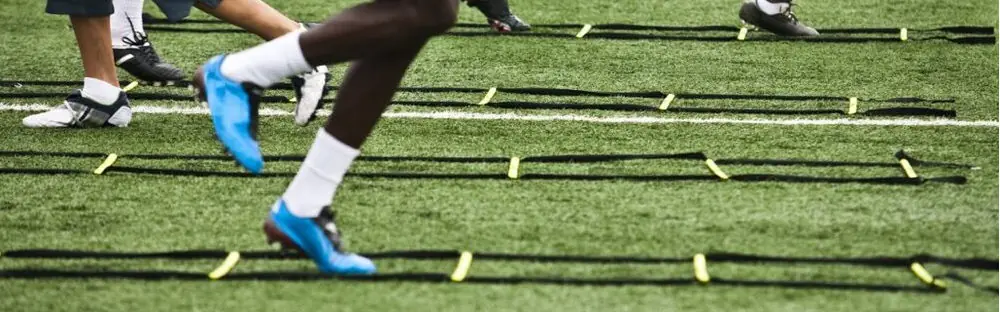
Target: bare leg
387,35
100,92
254,16
93,37
376,28
365,93
383,38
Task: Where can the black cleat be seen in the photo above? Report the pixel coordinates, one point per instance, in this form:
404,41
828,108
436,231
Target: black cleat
499,16
140,60
782,24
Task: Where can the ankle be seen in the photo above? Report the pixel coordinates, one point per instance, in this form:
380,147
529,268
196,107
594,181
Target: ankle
100,91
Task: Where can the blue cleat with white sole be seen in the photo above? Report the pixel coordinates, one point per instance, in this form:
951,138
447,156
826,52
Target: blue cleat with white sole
233,107
317,237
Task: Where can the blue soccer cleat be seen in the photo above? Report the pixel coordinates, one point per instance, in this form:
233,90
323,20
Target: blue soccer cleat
317,237
234,113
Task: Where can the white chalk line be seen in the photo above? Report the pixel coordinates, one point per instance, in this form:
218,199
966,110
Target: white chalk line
180,110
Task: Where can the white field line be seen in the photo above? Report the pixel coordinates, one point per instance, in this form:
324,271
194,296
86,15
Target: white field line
577,118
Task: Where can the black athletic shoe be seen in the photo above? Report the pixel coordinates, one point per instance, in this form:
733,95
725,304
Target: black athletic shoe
499,16
782,24
140,60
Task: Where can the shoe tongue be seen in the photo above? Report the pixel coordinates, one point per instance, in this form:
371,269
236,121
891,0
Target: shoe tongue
150,53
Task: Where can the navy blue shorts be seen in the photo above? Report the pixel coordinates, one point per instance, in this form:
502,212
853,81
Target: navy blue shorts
80,7
175,10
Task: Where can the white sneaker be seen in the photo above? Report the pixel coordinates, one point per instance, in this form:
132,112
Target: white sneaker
78,111
309,91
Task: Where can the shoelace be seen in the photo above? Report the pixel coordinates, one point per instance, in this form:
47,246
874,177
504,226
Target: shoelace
331,217
76,115
789,14
140,41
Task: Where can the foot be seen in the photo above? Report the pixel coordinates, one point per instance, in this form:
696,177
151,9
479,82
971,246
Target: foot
317,237
233,107
79,111
499,16
783,24
309,91
140,60
508,23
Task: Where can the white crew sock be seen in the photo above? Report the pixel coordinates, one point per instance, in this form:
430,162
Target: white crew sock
126,22
268,63
772,8
100,91
320,175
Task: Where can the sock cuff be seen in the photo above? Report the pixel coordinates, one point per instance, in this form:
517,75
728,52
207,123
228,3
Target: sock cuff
290,44
268,63
329,157
100,91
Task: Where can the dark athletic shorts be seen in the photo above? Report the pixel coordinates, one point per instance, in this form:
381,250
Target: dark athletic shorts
80,7
175,10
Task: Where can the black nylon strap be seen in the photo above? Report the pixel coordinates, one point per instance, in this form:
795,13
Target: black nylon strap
567,159
717,257
583,158
639,36
444,278
972,263
497,176
895,111
981,30
529,176
574,158
133,96
520,91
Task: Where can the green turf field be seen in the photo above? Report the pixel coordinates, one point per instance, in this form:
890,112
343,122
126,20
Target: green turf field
130,212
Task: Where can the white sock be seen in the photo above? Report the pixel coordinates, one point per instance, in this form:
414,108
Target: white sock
126,22
320,175
772,8
100,91
268,63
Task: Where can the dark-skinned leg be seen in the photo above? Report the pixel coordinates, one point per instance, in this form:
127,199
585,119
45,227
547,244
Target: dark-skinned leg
365,93
365,30
383,38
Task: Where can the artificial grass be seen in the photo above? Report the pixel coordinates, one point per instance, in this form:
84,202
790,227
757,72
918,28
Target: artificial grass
140,212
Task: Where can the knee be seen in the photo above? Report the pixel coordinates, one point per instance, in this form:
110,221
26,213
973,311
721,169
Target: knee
434,17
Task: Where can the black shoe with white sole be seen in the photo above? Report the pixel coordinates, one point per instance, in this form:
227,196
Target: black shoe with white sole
140,60
499,16
783,24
